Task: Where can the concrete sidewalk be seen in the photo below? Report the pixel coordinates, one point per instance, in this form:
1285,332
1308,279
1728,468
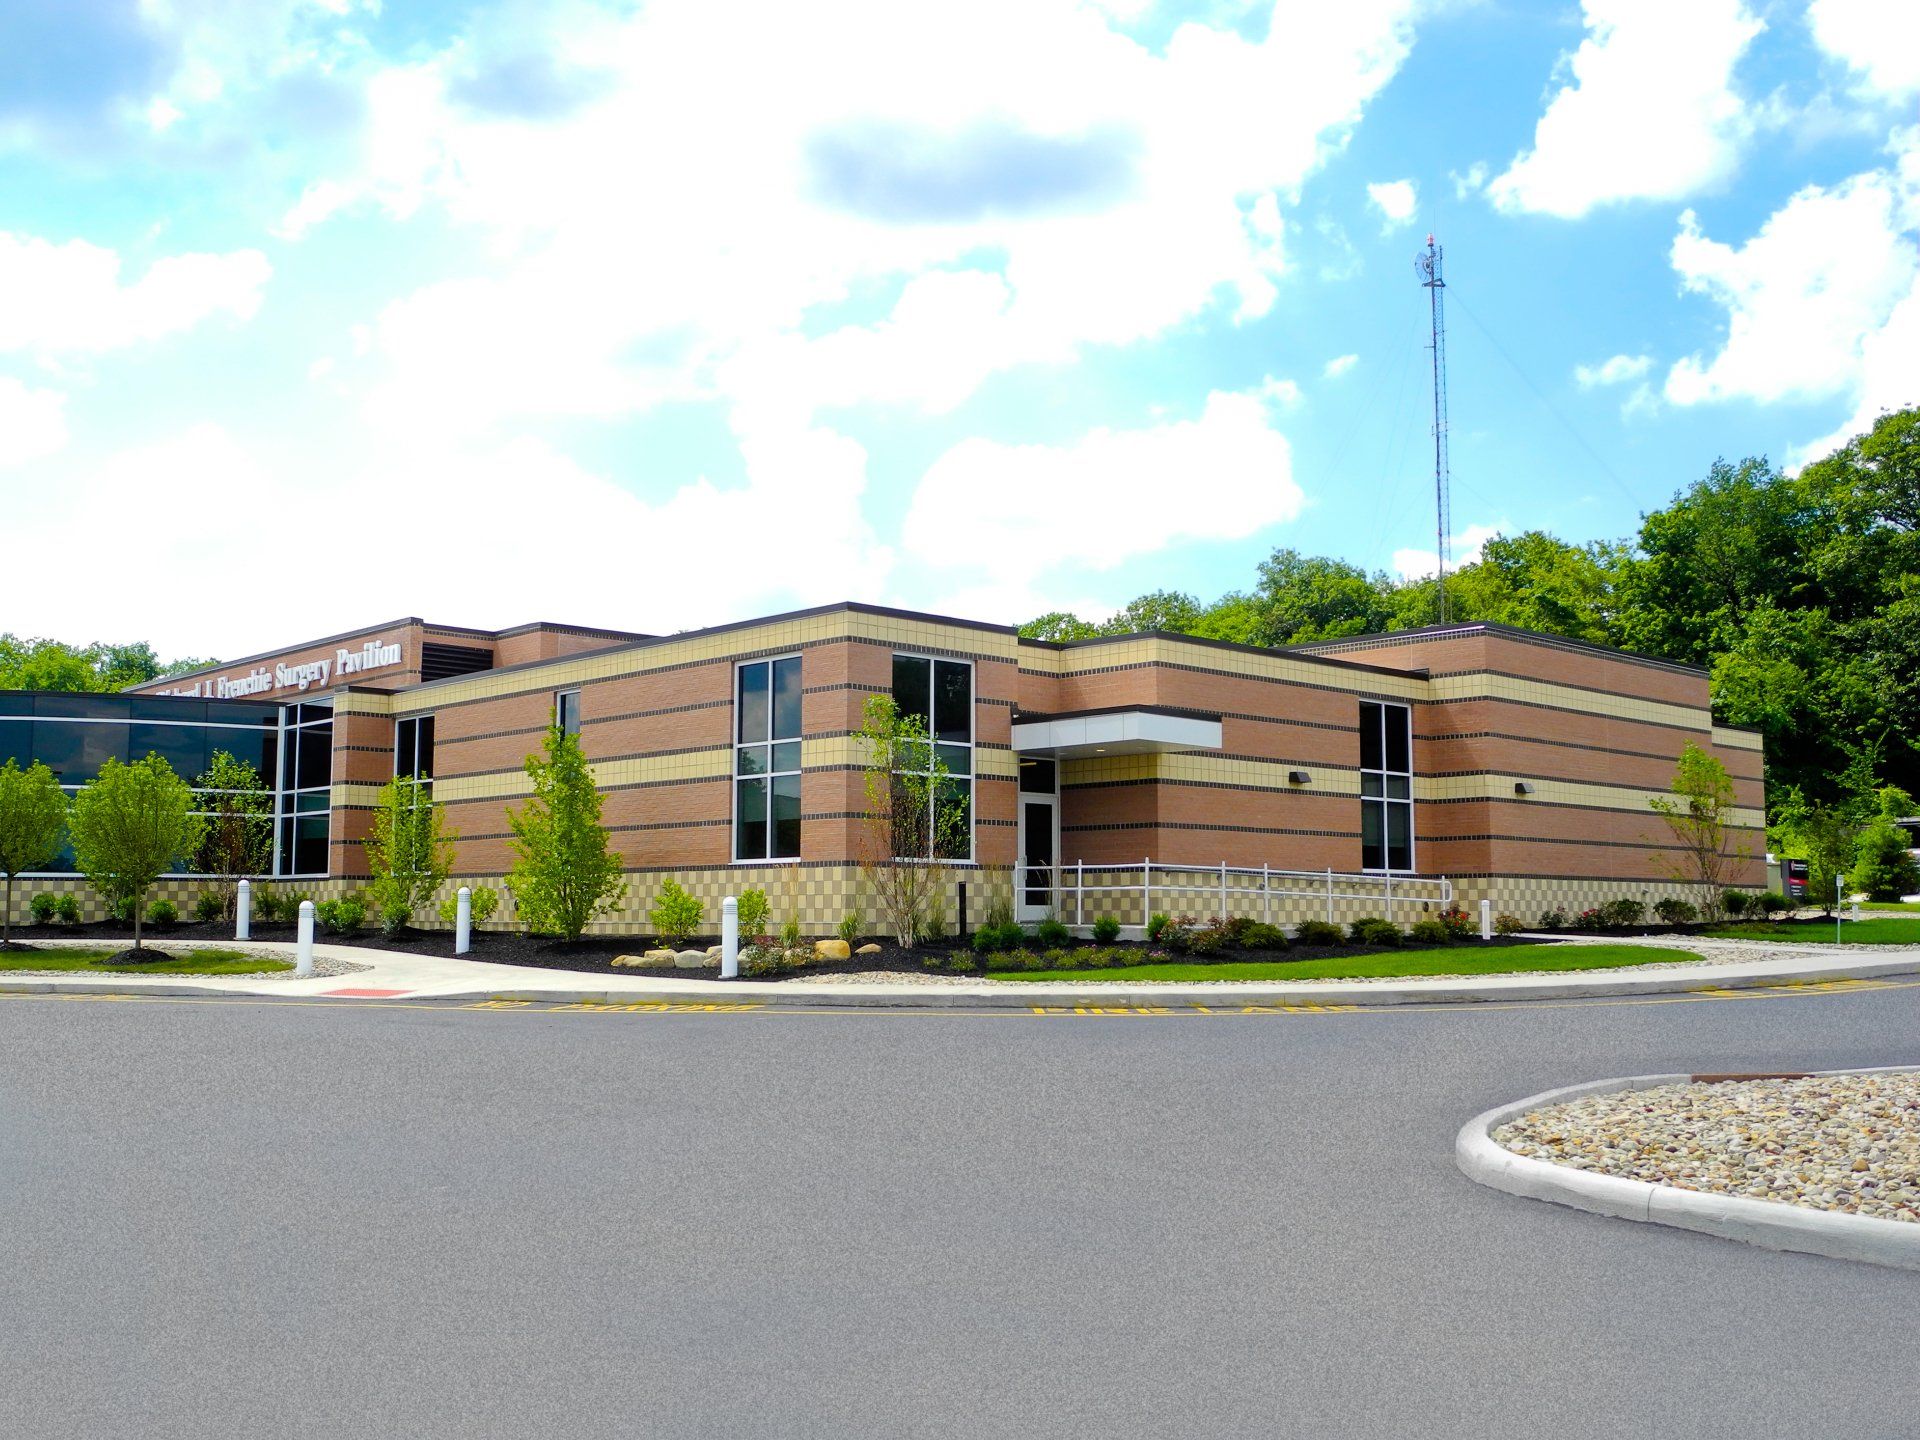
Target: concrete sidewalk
394,975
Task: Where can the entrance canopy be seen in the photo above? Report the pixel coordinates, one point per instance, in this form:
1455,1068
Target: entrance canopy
1121,730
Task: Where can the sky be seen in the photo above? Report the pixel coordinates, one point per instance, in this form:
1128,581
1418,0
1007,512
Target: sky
317,313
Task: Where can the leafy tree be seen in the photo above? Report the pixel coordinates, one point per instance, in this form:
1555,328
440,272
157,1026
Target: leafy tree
132,824
913,819
409,852
33,821
239,811
1059,625
1699,813
1826,839
1884,866
1173,611
564,871
1300,598
39,664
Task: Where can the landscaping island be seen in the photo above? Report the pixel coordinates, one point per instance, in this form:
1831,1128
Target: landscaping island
1844,1143
46,959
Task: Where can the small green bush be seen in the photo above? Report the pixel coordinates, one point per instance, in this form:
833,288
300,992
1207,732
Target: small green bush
1553,919
1589,920
752,910
1458,924
341,917
1672,910
163,914
1504,924
790,936
999,912
41,907
266,904
990,939
1375,931
1429,932
849,928
481,904
933,919
1051,933
1156,925
121,910
676,914
66,909
1258,935
1771,903
1318,932
1106,930
1622,913
208,907
1734,902
764,960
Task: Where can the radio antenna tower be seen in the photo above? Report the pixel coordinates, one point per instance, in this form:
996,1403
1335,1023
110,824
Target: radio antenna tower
1427,264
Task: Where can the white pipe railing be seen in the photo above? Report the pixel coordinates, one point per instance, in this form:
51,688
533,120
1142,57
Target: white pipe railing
1223,884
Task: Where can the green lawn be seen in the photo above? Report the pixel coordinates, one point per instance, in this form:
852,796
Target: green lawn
1453,960
1820,932
1912,907
96,962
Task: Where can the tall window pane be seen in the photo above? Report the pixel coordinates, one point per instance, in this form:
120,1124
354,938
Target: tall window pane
767,759
785,838
938,694
753,703
952,701
786,697
1386,787
750,819
912,685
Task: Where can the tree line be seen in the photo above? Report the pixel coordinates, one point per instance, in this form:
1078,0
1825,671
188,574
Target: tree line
1799,592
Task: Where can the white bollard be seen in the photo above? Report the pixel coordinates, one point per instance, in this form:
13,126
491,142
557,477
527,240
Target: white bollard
463,920
243,912
729,939
303,952
1486,919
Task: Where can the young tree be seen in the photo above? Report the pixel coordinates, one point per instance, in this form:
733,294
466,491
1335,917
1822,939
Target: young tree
130,826
33,819
915,818
239,810
564,870
1699,812
1828,840
1884,866
409,852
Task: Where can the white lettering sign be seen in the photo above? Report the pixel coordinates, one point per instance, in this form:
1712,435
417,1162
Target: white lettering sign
374,655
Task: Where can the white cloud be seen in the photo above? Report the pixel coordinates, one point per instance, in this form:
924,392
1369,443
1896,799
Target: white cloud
1282,392
33,423
1878,38
1804,297
1003,508
1395,200
1614,371
1338,366
69,298
1649,113
1463,548
1471,183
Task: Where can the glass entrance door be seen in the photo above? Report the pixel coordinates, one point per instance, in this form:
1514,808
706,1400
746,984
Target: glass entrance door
1034,890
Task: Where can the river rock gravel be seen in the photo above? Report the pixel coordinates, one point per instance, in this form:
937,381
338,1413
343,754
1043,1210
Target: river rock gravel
1831,1142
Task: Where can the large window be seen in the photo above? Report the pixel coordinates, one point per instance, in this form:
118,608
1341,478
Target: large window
413,748
766,760
1386,787
939,693
566,710
306,775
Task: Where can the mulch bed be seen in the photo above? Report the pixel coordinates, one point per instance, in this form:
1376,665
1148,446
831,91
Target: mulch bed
593,954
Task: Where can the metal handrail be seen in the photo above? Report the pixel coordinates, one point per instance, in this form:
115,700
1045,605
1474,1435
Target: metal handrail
1328,884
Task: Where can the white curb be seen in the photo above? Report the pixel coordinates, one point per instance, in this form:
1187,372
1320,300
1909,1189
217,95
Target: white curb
1774,1225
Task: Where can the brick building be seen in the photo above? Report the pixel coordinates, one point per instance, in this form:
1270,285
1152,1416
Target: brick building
1103,776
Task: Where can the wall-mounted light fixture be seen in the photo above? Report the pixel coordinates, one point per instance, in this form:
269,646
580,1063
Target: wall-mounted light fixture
1522,787
1299,777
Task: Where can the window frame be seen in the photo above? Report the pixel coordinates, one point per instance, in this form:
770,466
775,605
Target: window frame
736,777
1384,801
560,710
935,745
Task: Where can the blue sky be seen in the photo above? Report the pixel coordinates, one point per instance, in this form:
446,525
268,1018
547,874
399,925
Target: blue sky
669,314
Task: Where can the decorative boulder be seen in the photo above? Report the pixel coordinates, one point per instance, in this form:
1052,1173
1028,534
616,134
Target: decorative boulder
692,960
659,957
868,949
831,950
629,960
713,952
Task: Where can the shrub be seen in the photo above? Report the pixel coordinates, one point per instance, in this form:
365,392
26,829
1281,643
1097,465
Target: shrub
342,916
989,939
1260,936
1051,933
1208,940
761,960
481,904
1882,867
1106,930
41,907
1156,925
1589,920
1458,924
266,904
676,914
1429,932
208,907
1770,904
790,936
932,924
1621,913
1674,911
1318,932
163,914
66,909
753,910
1504,924
999,912
1375,931
1553,919
1734,902
120,909
1017,959
849,928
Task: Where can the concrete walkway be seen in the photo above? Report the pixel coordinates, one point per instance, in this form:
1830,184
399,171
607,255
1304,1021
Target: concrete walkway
1730,965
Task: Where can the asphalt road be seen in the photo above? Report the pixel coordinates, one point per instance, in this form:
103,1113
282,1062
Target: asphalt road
241,1219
